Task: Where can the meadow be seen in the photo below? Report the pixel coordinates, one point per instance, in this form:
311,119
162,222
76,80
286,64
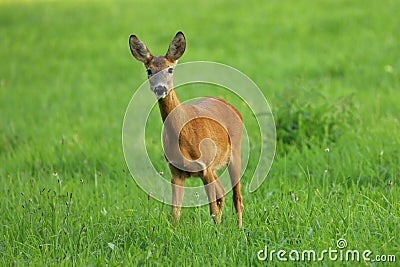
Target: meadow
330,71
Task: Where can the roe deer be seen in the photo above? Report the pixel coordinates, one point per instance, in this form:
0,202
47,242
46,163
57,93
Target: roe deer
207,133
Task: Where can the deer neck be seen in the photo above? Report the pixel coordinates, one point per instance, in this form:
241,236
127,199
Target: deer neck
167,104
173,115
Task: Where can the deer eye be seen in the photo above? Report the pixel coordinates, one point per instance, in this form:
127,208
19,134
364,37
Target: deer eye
170,70
149,72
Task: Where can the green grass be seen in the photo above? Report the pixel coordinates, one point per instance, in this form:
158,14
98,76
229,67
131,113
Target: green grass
329,69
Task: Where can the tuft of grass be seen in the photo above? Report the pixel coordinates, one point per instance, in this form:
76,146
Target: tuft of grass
305,117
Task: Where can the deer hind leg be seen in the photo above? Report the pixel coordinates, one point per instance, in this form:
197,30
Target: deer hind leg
211,189
234,173
177,182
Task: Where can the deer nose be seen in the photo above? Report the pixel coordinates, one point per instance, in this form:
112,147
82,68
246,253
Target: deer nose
160,91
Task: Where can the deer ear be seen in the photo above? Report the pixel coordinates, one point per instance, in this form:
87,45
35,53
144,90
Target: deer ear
176,47
139,49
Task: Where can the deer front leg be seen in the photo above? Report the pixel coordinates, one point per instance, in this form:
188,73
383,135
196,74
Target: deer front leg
220,191
177,197
211,190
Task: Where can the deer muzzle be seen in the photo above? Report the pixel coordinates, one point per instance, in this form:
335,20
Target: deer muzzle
160,91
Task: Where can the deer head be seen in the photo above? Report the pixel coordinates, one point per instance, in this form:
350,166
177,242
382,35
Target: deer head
159,68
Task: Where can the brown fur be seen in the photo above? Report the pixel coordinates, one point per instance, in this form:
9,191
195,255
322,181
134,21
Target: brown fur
210,119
